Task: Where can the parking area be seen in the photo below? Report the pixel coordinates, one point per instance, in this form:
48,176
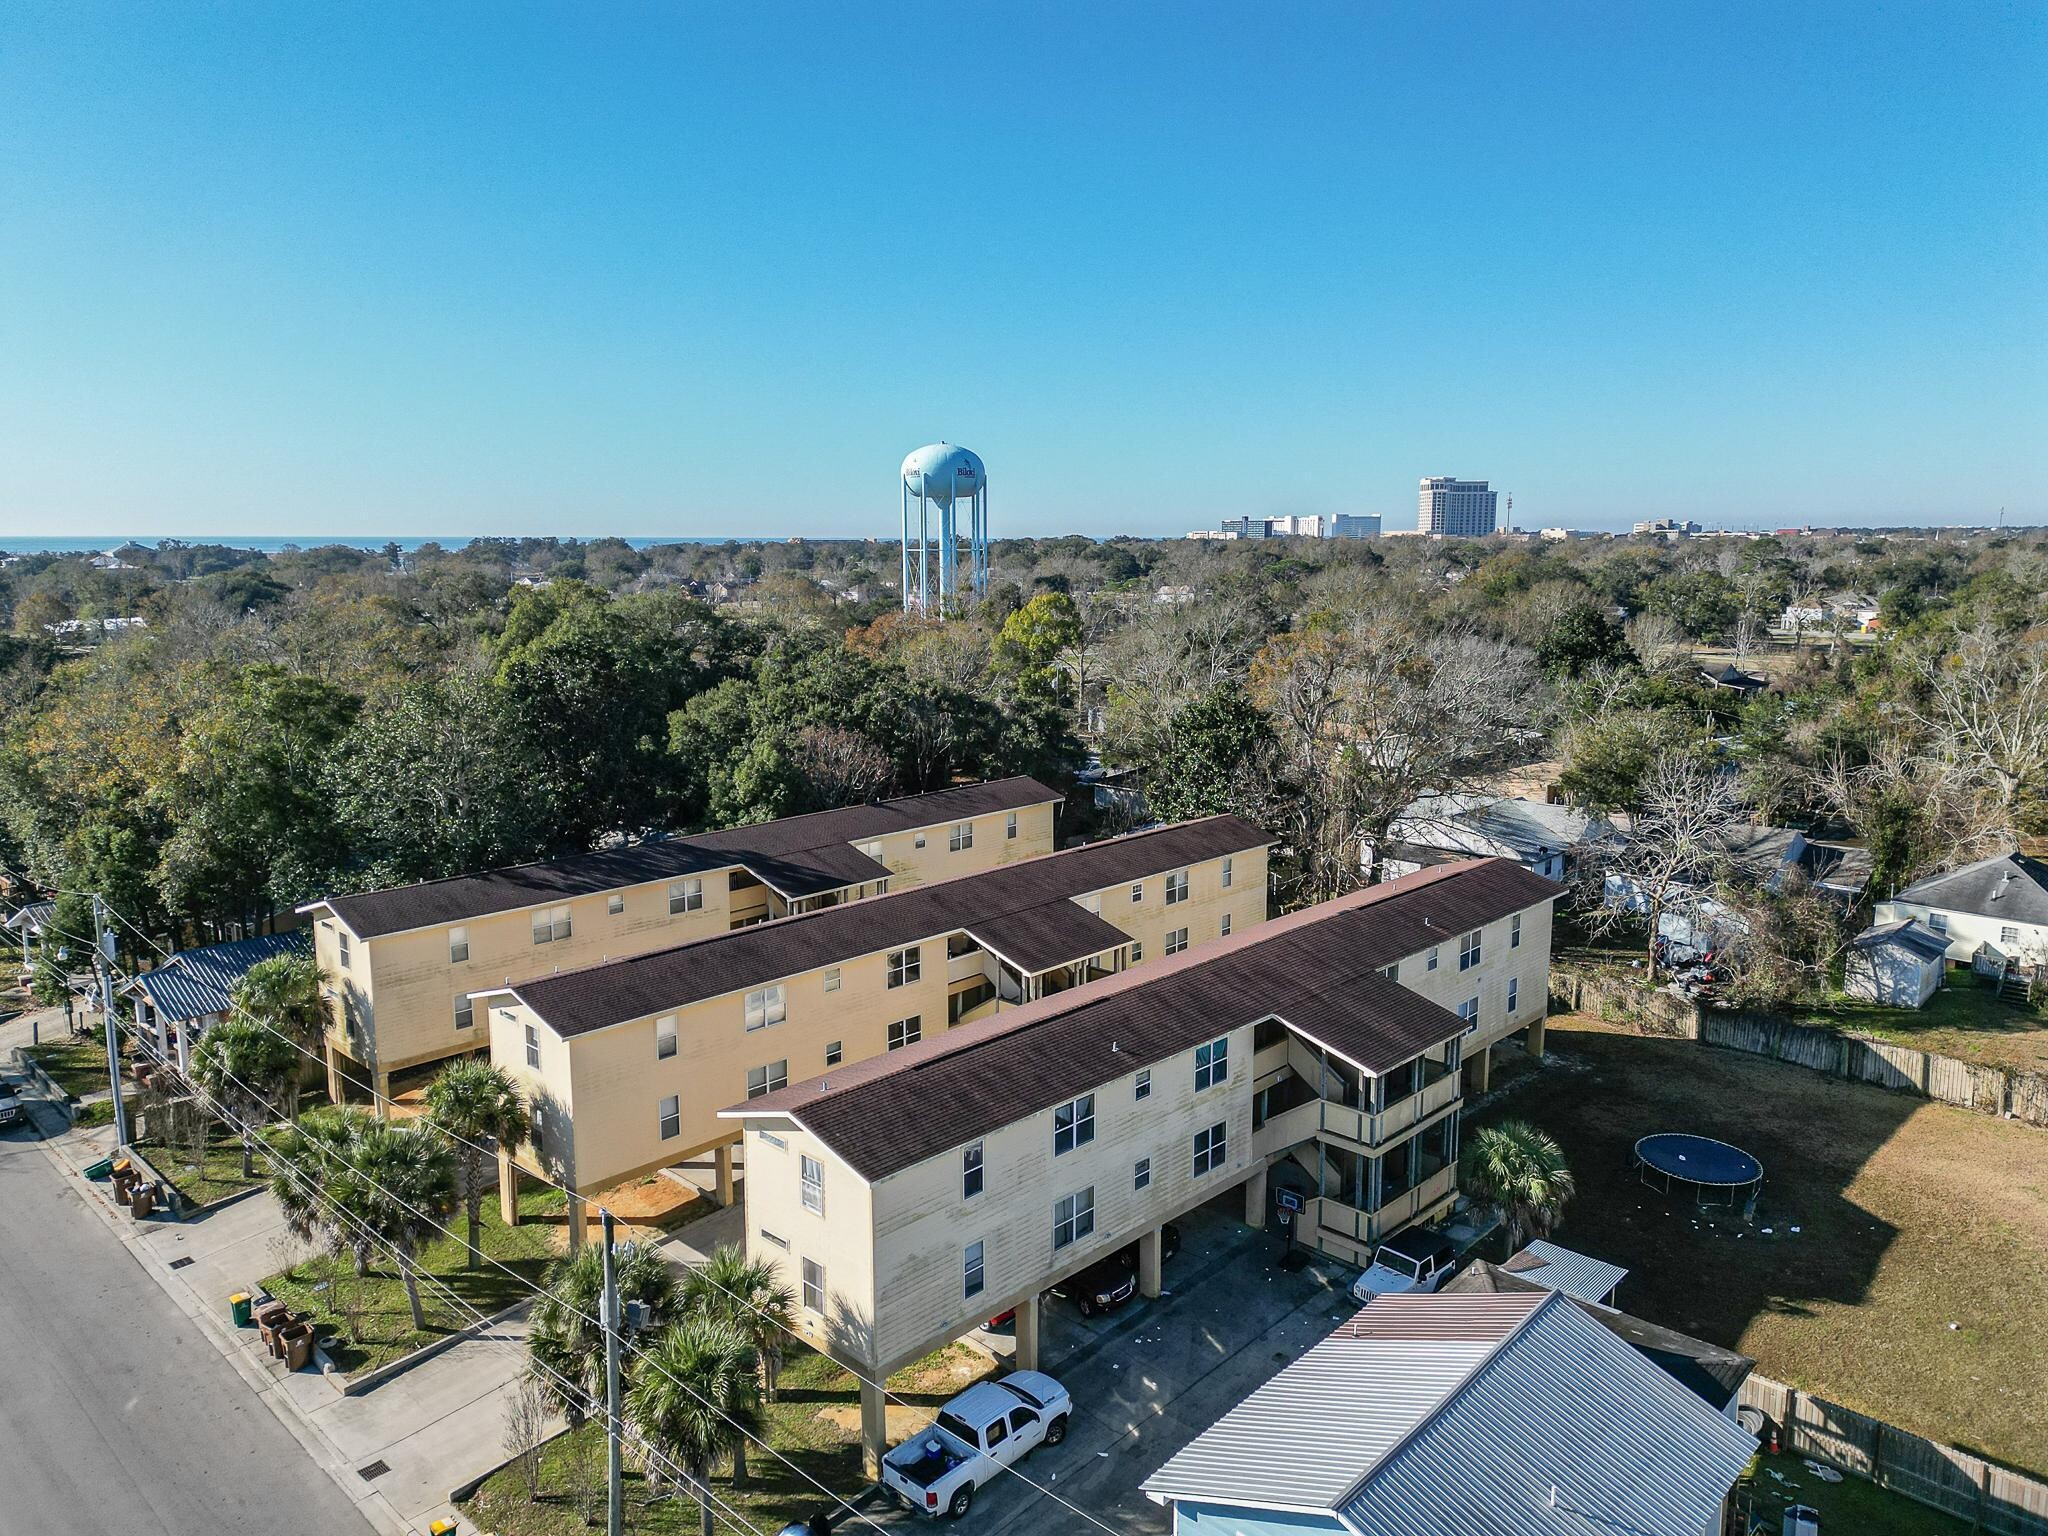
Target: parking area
1149,1376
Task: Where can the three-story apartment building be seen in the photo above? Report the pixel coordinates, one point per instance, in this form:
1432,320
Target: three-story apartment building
628,1064
907,1198
402,963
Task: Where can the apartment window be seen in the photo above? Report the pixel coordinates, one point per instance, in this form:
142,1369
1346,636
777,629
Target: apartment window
1514,992
1073,1124
1938,921
1176,888
550,924
664,1037
2008,935
685,896
465,1013
831,978
1226,874
1144,1089
615,903
1223,927
905,966
532,1046
1138,891
1010,827
775,1239
906,1032
814,1286
540,1131
1432,960
1468,951
1176,941
833,1053
1212,1063
341,939
1391,972
812,1174
766,1007
918,841
1073,1218
1468,1011
1141,1173
1209,1149
767,1079
671,1117
972,1269
1137,950
970,1172
458,945
961,837
1515,931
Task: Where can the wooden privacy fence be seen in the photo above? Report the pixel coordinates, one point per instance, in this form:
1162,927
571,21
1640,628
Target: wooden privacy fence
1995,1500
1987,1090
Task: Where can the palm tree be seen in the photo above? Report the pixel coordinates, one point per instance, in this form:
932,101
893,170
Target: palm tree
747,1294
475,1103
694,1399
564,1344
305,1157
284,992
250,1071
398,1182
1522,1173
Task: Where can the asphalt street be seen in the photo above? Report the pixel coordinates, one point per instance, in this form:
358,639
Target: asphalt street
116,1414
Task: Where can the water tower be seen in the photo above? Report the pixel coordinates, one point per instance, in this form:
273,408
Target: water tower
946,478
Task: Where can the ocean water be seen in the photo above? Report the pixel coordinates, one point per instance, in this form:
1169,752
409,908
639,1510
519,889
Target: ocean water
16,544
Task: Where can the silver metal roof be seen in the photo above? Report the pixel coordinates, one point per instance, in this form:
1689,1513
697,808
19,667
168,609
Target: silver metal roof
1551,1426
1559,1269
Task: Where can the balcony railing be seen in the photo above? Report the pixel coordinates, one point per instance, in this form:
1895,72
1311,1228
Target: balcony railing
1352,1228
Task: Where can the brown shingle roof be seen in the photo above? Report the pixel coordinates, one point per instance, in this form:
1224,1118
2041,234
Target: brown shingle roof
891,1112
1024,907
798,856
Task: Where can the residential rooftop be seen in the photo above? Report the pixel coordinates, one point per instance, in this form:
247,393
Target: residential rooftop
1907,933
196,982
1024,913
2012,888
1544,1263
1317,969
797,856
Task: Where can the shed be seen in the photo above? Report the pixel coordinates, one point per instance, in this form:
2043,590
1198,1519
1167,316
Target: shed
1898,964
1559,1269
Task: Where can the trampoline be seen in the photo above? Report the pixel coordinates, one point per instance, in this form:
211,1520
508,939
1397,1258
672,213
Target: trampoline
1717,1173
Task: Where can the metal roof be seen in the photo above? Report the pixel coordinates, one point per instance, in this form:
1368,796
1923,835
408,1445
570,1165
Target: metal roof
1495,1415
196,982
797,856
31,918
1559,1269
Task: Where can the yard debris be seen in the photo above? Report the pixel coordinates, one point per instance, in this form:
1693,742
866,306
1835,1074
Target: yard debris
1824,1472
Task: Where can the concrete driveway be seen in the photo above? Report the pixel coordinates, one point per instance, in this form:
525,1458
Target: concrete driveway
1152,1375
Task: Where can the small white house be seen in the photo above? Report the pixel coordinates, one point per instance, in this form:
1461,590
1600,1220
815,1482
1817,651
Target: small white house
2002,902
1899,964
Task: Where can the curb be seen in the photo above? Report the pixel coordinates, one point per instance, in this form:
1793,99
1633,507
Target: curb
369,1381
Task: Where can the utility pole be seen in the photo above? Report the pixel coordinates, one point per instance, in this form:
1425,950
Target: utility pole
102,965
608,1314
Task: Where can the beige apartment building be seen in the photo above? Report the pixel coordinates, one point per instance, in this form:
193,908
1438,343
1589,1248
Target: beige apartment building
628,1064
1315,1062
401,964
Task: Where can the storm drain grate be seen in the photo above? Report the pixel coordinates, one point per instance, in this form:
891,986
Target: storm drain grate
374,1469
181,1263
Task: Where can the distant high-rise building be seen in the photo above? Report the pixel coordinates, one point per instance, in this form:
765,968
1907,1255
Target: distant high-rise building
1354,525
1459,509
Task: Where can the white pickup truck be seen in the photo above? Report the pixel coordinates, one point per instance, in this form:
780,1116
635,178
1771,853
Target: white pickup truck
990,1426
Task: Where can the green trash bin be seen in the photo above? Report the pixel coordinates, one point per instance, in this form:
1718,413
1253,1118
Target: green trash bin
100,1169
242,1307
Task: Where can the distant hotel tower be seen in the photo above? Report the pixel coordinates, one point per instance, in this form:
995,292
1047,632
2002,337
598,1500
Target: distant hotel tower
1459,509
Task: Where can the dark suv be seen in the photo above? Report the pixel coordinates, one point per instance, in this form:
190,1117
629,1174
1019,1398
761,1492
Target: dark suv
1112,1281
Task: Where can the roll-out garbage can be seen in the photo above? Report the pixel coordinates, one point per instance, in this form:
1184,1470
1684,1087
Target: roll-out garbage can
241,1309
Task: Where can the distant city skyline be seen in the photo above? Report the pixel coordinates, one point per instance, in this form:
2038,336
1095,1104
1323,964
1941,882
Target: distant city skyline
711,272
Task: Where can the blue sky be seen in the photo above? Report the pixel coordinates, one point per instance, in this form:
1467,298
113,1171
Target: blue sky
701,269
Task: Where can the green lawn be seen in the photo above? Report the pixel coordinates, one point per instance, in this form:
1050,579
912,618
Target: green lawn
1851,1505
78,1066
89,1116
1967,1019
384,1329
813,1422
214,1176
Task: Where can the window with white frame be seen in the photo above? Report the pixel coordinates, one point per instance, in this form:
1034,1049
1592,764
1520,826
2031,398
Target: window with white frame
551,924
917,841
664,1037
961,837
1468,950
2007,934
1468,1011
465,1012
1073,1218
1391,972
1938,921
458,945
1137,950
1176,940
1212,1063
972,1268
1141,1173
906,1032
1514,994
671,1117
1431,965
686,895
1223,927
1227,874
767,1079
1073,1124
811,1173
1209,1148
831,978
538,1134
1515,931
814,1286
341,946
765,1007
1143,1089
1176,888
532,1046
1138,891
615,903
834,1053
971,1172
1010,827
906,965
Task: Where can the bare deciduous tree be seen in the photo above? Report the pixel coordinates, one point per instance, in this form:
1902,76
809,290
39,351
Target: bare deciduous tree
527,1421
1660,645
1985,713
1684,819
842,767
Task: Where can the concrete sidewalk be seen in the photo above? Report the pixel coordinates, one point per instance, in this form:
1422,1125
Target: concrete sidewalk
433,1427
